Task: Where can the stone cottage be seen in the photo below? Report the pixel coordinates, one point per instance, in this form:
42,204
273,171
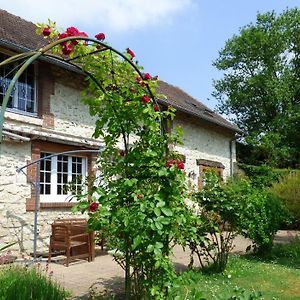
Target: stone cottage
45,116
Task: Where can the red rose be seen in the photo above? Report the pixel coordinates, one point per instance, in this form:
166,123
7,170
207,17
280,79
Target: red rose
94,206
139,80
100,36
156,108
72,31
180,165
82,33
170,163
74,42
67,49
145,99
147,76
62,36
130,52
46,31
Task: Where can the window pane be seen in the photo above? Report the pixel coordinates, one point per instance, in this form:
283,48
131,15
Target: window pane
45,174
48,176
47,189
65,178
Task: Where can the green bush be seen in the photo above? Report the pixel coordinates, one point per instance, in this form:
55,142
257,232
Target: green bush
261,213
263,176
23,283
218,216
227,209
288,190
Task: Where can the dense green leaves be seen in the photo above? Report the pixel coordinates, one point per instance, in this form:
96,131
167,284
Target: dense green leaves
261,86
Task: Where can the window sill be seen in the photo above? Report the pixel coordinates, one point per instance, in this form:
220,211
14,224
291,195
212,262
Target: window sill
55,205
14,116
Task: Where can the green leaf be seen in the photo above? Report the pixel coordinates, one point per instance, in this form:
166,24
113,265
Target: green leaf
157,211
150,248
161,204
167,211
159,245
158,225
165,221
136,241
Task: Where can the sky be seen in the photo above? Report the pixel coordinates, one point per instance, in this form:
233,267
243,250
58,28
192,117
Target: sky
175,39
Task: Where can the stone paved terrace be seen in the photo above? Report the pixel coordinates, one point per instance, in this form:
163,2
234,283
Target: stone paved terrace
105,274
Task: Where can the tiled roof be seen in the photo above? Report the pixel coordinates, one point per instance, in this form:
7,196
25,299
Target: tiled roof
18,33
186,103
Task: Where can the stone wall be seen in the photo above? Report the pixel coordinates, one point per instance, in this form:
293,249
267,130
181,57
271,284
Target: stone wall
70,115
204,142
17,224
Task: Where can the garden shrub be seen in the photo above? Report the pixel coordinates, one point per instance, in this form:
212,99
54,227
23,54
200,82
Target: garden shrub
23,283
261,214
288,190
218,216
263,176
227,209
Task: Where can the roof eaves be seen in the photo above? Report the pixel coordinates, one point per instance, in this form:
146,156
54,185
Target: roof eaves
52,60
182,109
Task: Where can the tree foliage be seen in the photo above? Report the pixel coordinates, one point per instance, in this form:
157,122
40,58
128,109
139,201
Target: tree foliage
261,86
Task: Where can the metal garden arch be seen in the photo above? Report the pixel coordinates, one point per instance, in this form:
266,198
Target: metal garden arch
24,60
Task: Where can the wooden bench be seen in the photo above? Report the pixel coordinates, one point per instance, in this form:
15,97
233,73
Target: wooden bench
71,237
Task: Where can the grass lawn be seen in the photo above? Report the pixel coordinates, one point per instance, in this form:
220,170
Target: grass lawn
276,276
272,279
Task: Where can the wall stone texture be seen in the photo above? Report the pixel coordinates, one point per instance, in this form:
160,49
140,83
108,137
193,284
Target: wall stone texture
70,115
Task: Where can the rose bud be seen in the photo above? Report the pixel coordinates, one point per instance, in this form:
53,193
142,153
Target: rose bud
147,76
100,36
46,31
145,99
180,165
130,52
170,163
156,108
94,206
67,49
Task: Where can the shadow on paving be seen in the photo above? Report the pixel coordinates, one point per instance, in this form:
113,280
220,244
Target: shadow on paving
105,289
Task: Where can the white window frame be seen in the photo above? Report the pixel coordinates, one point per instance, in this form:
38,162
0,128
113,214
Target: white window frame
15,98
53,196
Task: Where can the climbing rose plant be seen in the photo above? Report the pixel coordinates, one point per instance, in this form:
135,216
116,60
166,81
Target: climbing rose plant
138,200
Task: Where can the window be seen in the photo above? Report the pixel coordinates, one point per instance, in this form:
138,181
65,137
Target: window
60,174
206,166
23,96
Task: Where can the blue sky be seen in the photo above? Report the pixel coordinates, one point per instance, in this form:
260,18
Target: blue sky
175,39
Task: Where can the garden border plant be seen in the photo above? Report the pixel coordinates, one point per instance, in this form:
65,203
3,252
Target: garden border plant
228,209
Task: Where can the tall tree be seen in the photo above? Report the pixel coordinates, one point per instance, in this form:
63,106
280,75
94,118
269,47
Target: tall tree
260,88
